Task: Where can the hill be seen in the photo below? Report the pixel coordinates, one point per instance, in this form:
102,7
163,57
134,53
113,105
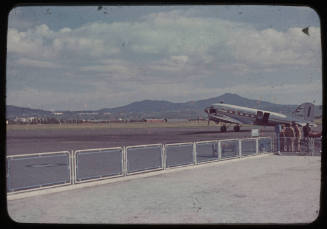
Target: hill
155,109
14,111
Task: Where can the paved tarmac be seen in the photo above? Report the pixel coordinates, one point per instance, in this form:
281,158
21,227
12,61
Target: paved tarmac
260,189
29,140
26,172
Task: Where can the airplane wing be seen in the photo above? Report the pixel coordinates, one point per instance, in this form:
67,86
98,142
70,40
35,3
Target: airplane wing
224,118
311,124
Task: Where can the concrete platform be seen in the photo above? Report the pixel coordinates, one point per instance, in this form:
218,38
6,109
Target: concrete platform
260,189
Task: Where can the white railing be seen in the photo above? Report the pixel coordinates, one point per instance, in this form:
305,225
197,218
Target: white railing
152,154
109,163
39,170
103,163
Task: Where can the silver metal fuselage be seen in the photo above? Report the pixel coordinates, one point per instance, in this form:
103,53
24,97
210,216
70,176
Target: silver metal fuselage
244,115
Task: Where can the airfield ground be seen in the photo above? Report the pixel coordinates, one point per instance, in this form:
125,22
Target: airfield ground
261,189
26,139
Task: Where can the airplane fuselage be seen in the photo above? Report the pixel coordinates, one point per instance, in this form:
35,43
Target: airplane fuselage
244,115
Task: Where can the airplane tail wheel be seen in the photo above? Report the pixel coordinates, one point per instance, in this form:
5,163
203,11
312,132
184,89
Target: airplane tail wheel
223,129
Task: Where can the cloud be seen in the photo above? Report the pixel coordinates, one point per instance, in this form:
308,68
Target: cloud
270,48
172,34
20,43
36,63
166,55
289,93
172,64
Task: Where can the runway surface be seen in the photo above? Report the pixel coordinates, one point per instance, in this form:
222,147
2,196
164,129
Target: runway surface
26,141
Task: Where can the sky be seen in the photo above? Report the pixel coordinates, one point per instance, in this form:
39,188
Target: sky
91,57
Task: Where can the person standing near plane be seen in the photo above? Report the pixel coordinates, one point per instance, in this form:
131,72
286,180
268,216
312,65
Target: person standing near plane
282,138
298,136
306,131
278,129
289,135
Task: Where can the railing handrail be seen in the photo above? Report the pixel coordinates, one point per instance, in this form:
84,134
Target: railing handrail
132,146
37,154
140,146
99,149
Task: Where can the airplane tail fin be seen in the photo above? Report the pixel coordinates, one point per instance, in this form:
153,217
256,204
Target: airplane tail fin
305,111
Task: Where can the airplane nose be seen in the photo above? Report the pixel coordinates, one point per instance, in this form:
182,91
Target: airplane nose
206,110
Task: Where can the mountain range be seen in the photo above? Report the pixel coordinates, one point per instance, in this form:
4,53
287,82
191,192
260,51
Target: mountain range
155,109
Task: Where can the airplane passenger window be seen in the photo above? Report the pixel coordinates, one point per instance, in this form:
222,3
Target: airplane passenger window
163,114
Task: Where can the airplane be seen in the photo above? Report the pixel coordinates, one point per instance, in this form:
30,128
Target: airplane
238,115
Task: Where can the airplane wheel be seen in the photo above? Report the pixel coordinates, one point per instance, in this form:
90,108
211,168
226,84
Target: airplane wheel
223,129
237,128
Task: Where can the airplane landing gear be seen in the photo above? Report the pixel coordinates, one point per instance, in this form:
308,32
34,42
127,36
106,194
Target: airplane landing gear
237,128
223,128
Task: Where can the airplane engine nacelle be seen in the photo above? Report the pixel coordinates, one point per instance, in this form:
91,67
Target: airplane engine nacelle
262,118
259,115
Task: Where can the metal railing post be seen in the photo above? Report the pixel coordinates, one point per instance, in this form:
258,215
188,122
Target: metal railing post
257,146
163,156
240,148
195,162
75,166
219,150
124,161
72,167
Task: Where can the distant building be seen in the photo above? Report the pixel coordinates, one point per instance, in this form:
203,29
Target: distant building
116,121
153,120
177,120
137,120
88,113
24,119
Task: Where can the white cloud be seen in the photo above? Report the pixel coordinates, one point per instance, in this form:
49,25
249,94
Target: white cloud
172,64
172,34
163,55
117,70
36,63
65,30
271,48
45,99
290,93
20,43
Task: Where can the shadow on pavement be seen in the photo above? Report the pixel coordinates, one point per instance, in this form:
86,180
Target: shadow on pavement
297,154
